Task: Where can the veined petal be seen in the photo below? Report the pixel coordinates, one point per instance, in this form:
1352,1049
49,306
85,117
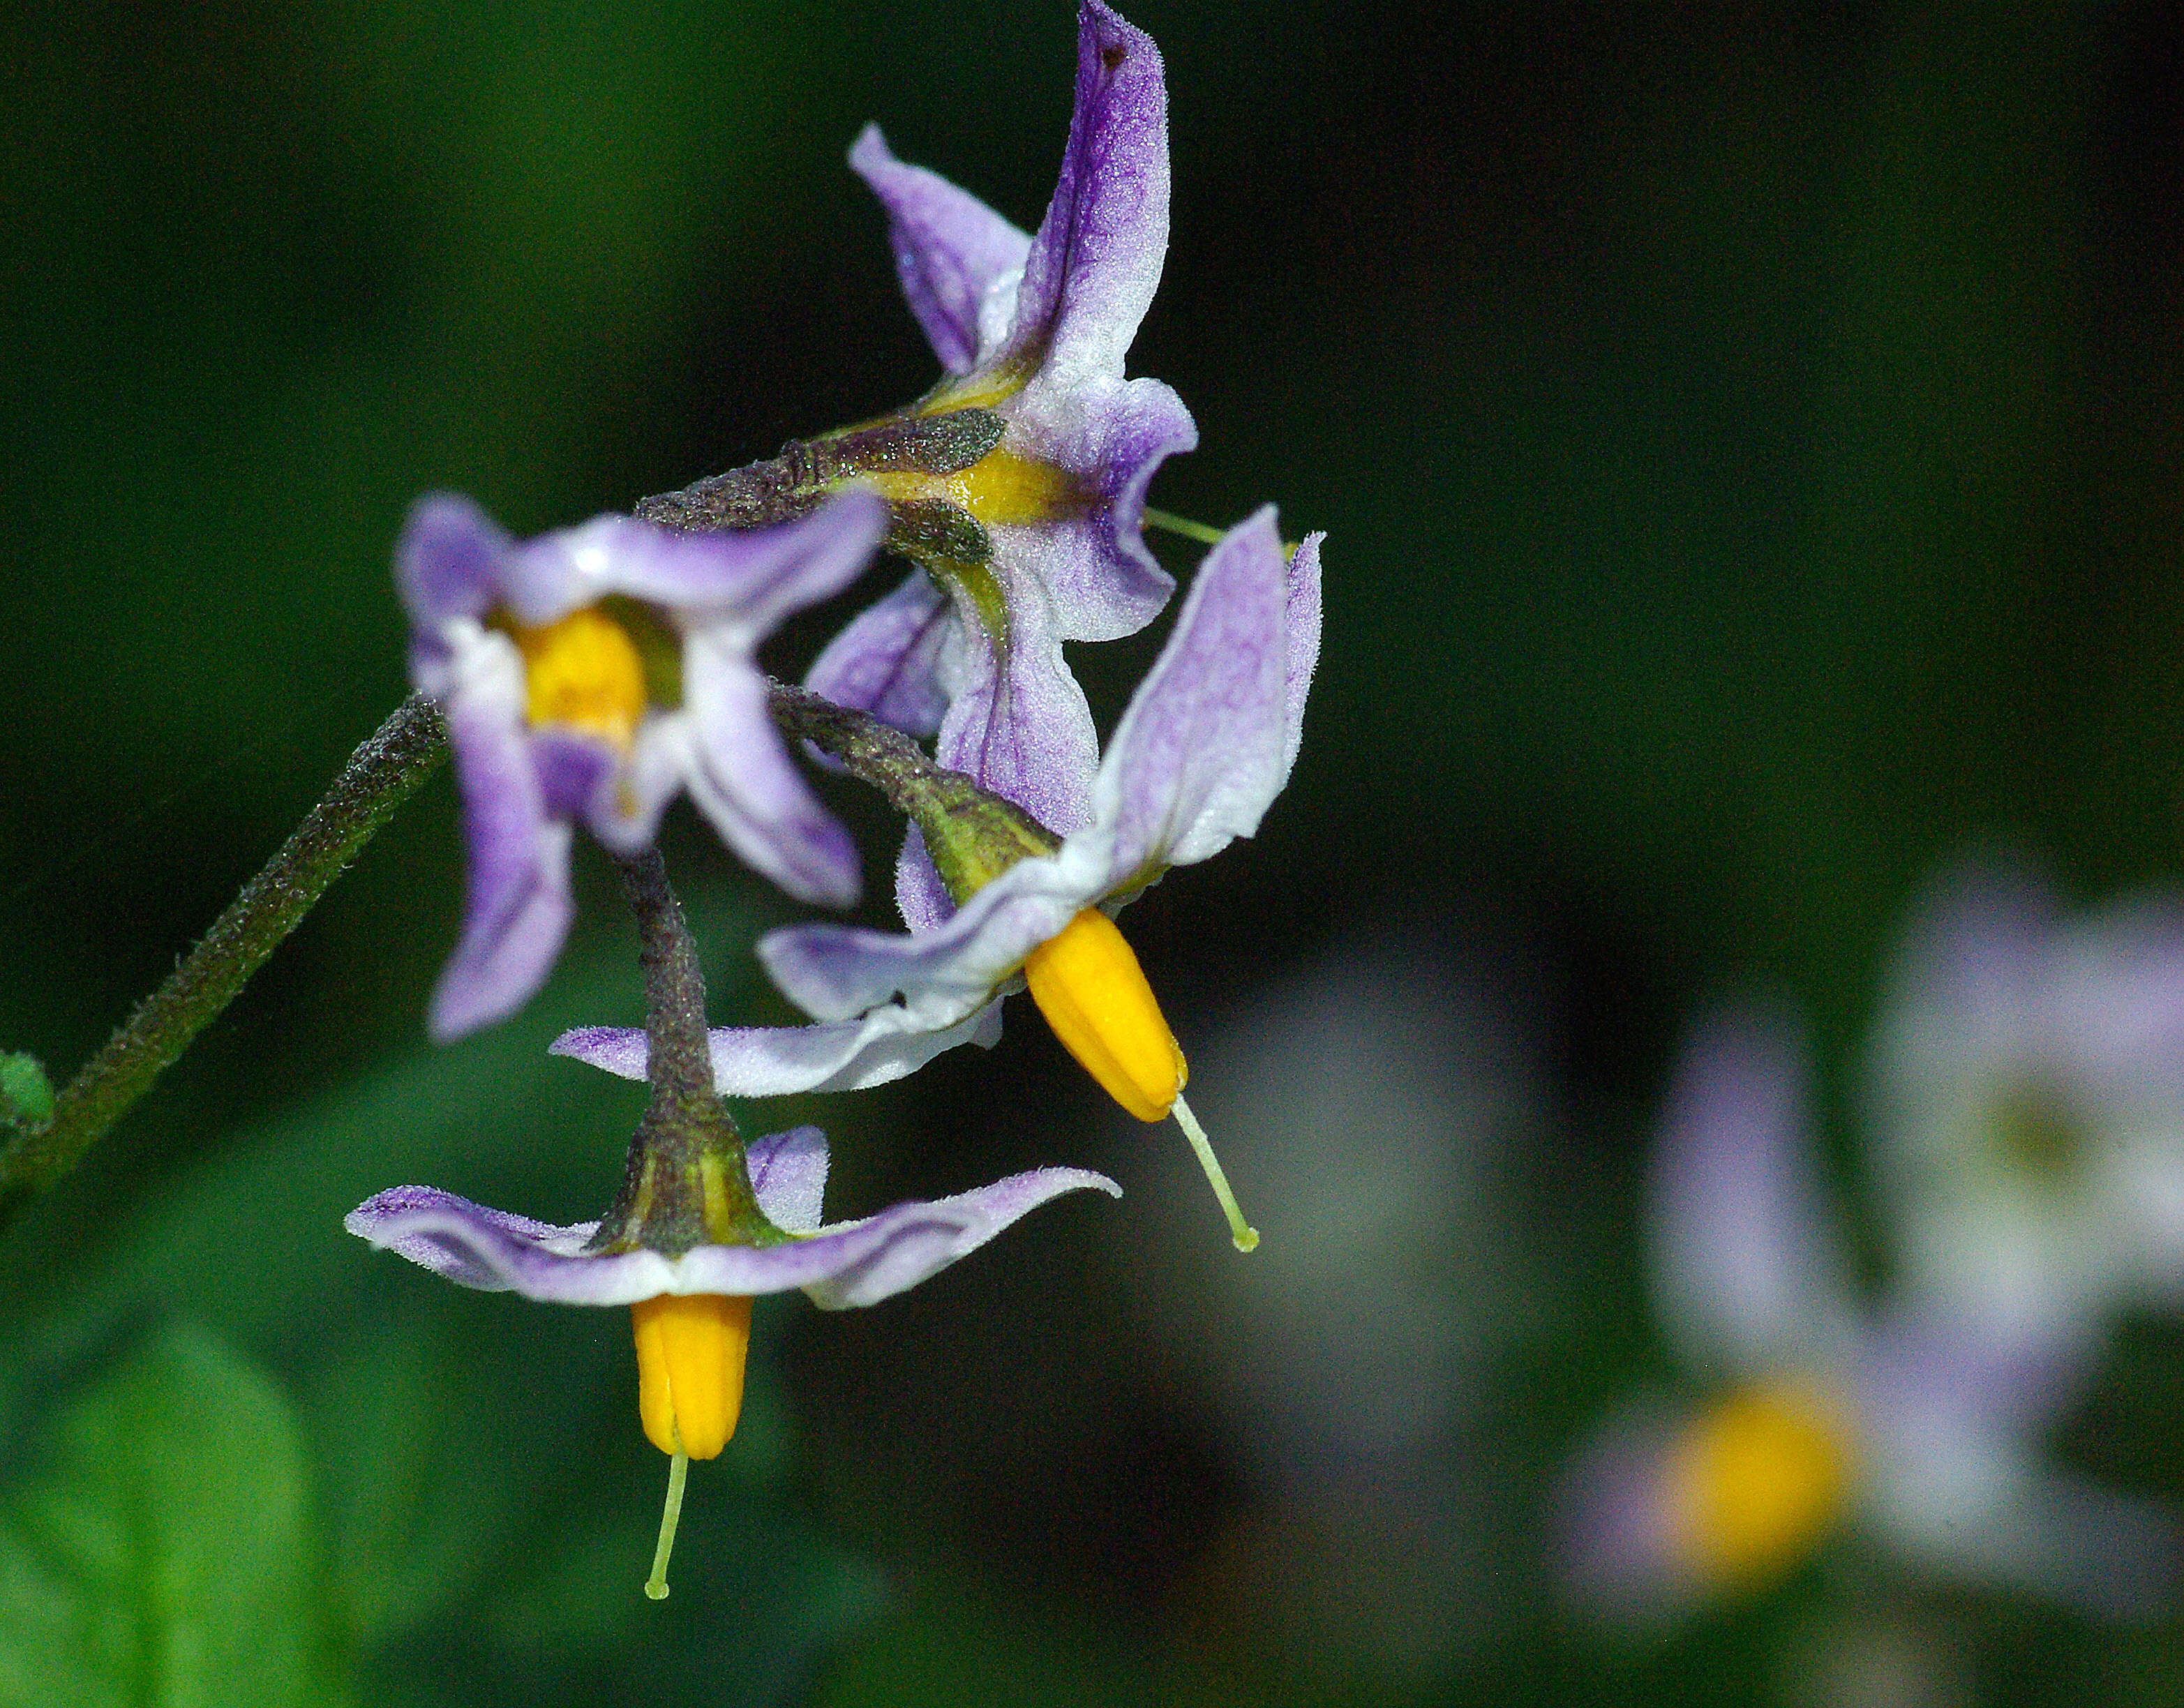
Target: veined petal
1301,623
1096,261
737,585
1198,755
838,972
884,661
1112,435
950,249
517,907
1747,1267
774,1061
789,1178
744,782
855,1263
1018,724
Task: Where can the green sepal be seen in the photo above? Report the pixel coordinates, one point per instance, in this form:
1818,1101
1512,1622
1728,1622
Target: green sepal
26,1095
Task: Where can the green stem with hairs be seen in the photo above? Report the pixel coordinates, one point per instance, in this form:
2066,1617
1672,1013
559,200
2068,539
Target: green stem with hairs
381,774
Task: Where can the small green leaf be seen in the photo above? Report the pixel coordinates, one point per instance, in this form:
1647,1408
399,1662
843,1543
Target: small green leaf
26,1095
157,1549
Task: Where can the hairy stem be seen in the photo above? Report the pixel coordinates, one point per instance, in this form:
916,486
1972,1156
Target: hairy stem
383,773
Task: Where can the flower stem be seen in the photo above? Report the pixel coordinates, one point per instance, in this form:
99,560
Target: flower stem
383,773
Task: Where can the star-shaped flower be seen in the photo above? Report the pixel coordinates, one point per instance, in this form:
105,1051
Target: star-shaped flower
1205,746
587,675
1918,1425
2028,1099
1035,329
691,1310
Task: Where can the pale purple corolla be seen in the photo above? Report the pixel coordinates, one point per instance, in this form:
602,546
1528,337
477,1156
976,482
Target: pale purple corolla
839,1266
587,675
1034,328
1205,744
2027,1098
1914,1424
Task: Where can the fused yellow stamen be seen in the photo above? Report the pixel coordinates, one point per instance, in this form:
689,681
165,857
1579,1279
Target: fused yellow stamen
1089,985
1000,489
585,673
690,1352
1756,1482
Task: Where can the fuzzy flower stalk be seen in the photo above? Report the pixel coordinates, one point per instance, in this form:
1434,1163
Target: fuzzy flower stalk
1205,744
1016,484
702,1224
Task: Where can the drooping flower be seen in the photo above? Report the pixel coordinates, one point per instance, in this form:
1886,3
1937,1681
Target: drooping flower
1207,744
691,1310
1039,541
587,675
1917,1424
2028,1099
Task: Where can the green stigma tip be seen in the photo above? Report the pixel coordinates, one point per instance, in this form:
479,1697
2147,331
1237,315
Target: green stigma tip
656,1585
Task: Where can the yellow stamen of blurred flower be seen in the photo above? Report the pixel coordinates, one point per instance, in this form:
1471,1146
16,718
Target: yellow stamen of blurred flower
690,1353
1088,983
1000,489
1754,1483
585,673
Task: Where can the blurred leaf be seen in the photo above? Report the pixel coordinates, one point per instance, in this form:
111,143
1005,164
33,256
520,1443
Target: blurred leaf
159,1551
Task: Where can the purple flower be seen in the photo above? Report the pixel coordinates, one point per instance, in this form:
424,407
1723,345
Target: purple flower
1918,1424
1035,329
848,1263
1205,746
2028,1099
587,675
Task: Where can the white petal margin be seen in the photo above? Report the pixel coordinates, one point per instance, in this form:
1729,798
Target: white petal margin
851,1263
775,1061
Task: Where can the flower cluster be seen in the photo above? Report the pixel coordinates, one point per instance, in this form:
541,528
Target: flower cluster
2028,1129
590,675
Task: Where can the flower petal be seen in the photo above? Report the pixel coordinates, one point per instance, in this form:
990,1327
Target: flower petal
743,780
1748,1272
1301,623
1096,261
854,1263
1198,755
788,1175
450,560
883,661
517,908
1112,436
950,249
738,585
1018,723
774,1061
836,972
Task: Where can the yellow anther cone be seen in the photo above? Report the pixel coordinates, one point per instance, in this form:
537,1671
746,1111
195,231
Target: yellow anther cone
690,1353
1758,1480
584,673
1089,985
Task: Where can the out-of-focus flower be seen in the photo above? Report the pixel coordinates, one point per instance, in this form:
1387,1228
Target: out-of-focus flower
1205,746
1039,541
2028,1100
1919,1426
587,675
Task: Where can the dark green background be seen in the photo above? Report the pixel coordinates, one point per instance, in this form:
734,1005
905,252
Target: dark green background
1749,448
